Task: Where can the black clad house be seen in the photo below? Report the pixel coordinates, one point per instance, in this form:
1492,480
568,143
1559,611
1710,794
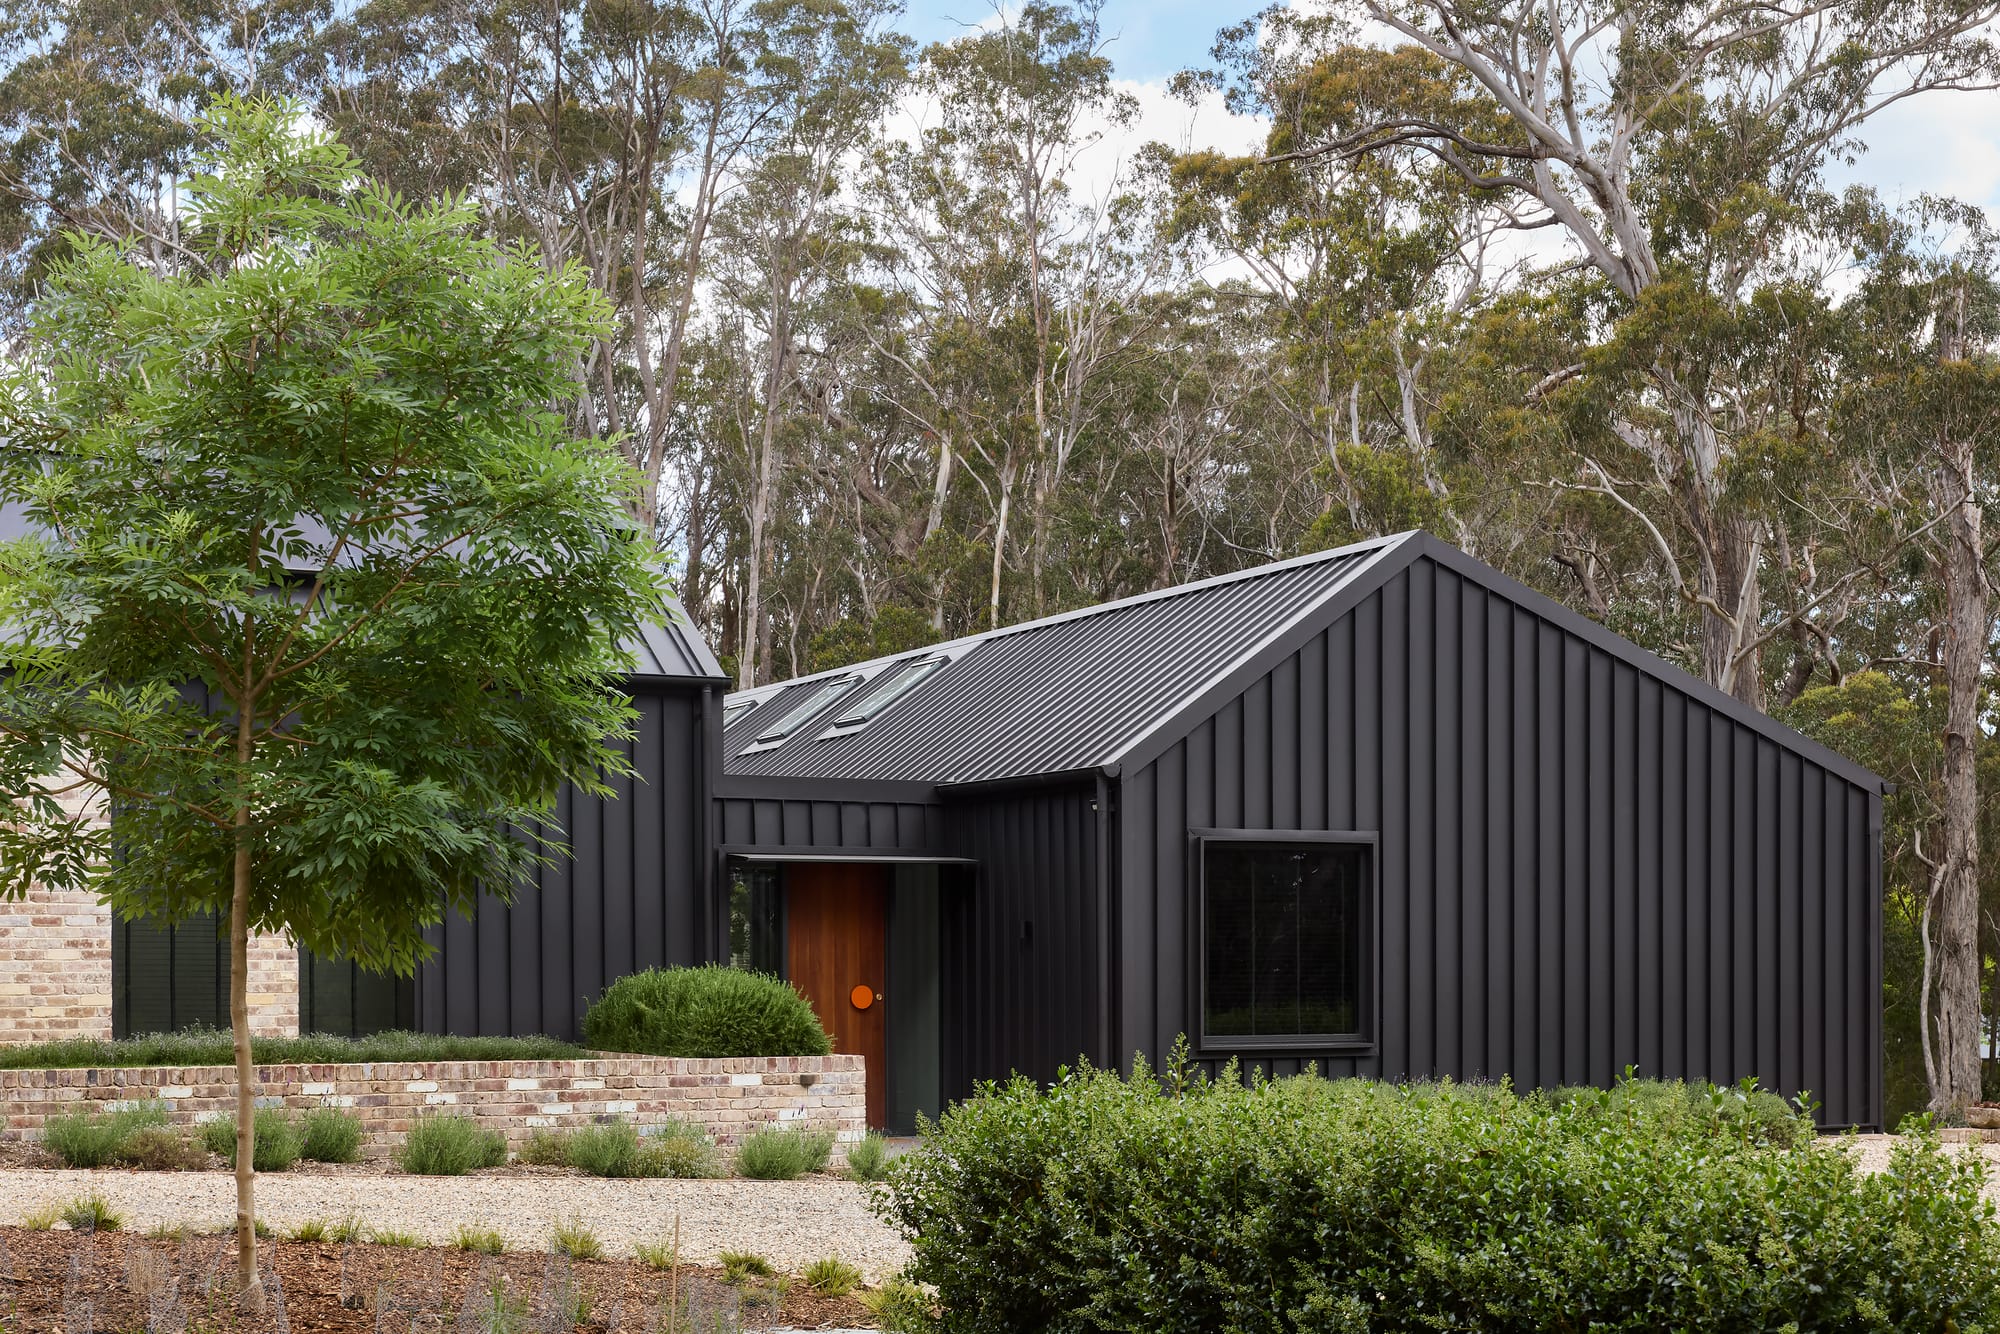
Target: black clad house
1382,811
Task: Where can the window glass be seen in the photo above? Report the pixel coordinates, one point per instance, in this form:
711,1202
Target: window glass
756,939
891,686
1282,932
810,701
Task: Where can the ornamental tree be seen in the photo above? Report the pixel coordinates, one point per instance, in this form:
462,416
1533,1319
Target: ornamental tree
320,597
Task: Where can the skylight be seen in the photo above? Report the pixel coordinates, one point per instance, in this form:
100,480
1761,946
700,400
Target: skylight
815,698
736,708
889,687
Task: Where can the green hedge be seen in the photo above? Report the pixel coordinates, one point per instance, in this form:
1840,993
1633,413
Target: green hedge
208,1046
1306,1204
704,1012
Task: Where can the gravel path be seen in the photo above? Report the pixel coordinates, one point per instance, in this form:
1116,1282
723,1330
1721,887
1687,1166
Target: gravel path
1872,1152
790,1223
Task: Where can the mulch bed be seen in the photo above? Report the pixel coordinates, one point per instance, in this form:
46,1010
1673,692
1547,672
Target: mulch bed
61,1282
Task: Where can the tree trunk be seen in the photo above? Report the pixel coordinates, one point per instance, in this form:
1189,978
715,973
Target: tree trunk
1956,924
247,1282
1000,544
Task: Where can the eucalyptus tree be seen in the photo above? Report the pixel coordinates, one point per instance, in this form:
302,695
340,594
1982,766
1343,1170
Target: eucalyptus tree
323,596
784,236
1922,398
98,107
1682,150
1017,106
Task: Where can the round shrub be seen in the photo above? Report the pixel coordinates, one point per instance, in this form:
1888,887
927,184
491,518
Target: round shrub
1180,1205
709,1011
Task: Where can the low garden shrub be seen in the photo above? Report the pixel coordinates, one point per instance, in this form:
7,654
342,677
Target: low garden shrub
330,1135
278,1139
97,1138
162,1149
709,1011
1178,1205
450,1146
608,1150
545,1148
91,1213
832,1277
679,1148
868,1158
208,1046
771,1154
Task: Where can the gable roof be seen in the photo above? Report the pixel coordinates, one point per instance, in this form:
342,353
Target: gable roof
1108,688
1057,695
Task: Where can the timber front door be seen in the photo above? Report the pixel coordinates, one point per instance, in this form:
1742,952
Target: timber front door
836,948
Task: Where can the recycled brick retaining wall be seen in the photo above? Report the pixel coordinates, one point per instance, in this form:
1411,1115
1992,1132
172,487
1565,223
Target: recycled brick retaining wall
731,1097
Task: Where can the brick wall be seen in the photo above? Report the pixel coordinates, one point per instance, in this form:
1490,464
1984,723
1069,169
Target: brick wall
55,971
55,967
731,1097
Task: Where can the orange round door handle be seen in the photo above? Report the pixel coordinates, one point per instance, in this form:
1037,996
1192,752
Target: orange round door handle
862,996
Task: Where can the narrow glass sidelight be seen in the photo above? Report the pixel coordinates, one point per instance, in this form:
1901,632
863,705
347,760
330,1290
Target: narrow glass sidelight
756,919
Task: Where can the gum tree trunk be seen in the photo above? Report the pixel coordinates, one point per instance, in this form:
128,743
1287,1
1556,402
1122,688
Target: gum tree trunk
1956,924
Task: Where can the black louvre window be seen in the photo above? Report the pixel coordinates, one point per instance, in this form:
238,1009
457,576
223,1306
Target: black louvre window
1283,928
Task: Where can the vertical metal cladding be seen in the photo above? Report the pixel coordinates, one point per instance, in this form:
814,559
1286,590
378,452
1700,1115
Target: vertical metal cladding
1584,867
1022,964
830,824
630,894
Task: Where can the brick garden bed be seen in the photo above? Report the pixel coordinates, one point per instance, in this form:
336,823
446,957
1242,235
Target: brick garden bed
730,1097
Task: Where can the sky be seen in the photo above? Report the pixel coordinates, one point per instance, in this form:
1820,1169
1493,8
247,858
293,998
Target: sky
1941,144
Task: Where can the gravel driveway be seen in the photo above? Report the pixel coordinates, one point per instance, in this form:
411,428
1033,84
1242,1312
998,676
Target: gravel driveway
790,1223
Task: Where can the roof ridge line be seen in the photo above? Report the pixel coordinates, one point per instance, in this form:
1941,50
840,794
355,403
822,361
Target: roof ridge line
1111,764
1377,544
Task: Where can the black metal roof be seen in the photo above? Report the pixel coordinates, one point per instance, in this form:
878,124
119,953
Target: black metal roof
1109,687
670,651
1065,693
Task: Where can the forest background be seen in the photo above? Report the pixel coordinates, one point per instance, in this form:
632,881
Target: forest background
904,350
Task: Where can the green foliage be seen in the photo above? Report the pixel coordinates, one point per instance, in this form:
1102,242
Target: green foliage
709,1011
162,1149
868,1158
401,1240
312,1231
893,630
679,1148
832,1277
498,1308
480,1240
450,1146
738,1266
771,1154
545,1148
96,1138
572,1238
330,1135
392,377
346,1230
656,1255
207,1046
279,1140
91,1213
1103,1203
42,1218
607,1150
902,1307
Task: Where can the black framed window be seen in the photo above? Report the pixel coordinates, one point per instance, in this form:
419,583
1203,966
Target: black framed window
1285,942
